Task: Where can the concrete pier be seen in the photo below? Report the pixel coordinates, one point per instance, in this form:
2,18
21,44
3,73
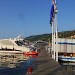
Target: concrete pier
45,65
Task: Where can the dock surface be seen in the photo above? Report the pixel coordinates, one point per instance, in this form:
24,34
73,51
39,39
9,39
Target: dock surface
45,65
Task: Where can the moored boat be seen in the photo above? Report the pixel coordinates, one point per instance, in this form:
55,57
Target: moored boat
30,53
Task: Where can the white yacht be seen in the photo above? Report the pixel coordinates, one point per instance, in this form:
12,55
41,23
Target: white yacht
13,45
16,45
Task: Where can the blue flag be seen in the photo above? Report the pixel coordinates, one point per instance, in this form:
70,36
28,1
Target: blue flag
52,14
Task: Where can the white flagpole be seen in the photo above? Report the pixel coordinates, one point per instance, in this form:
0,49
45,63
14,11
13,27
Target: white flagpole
52,41
56,33
54,36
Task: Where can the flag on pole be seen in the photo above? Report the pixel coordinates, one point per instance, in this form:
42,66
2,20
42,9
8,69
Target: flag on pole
52,14
55,6
53,11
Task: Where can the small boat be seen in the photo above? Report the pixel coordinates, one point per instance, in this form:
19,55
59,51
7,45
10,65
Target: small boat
30,53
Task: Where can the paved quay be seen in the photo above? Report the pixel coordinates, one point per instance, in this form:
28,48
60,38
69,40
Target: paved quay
45,65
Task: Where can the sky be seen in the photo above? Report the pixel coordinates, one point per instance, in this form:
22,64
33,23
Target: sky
31,17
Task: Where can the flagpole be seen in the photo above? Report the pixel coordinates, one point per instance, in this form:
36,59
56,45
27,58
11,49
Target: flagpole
56,31
52,41
54,37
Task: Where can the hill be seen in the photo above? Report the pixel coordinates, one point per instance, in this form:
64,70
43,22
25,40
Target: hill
47,37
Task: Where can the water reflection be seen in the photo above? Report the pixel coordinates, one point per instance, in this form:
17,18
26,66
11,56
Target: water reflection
15,64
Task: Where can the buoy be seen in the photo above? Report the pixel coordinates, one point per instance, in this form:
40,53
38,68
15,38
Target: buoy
30,70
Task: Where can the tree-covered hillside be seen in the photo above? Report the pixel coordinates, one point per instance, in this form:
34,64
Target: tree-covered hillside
47,37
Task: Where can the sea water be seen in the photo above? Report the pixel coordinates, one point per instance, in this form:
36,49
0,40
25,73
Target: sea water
21,69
